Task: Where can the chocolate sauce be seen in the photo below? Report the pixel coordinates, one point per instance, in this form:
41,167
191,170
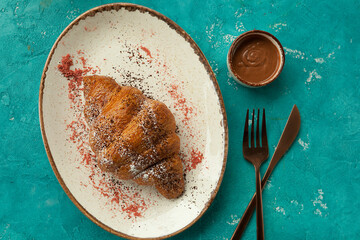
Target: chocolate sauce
256,59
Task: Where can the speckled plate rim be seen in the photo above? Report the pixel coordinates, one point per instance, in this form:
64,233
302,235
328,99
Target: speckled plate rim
203,60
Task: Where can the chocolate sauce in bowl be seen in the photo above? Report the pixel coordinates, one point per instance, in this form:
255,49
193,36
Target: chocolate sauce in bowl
256,59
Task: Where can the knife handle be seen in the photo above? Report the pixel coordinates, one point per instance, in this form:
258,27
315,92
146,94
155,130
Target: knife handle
245,219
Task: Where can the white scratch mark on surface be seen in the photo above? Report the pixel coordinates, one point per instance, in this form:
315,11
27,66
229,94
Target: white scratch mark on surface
313,75
350,40
278,26
297,204
33,190
317,212
232,82
23,119
331,55
280,210
16,9
239,26
209,31
5,230
5,99
215,67
303,144
240,12
220,238
319,60
228,38
318,202
51,202
72,14
234,220
211,36
268,185
295,53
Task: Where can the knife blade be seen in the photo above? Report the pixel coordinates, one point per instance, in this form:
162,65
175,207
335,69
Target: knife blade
288,136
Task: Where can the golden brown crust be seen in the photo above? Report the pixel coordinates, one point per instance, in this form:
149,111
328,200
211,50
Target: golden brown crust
133,136
97,94
167,176
114,117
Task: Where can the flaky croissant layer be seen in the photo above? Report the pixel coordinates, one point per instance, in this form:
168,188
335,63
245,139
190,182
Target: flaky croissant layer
133,136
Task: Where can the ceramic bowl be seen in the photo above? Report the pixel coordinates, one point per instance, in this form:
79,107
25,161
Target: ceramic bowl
238,41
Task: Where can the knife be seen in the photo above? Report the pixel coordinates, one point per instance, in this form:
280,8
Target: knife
287,138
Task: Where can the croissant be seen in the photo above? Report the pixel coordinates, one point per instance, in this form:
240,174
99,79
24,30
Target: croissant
133,136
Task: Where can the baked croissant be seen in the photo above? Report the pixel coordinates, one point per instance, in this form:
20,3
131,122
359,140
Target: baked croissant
133,136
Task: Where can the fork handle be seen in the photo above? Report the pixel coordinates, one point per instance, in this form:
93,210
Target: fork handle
245,219
259,207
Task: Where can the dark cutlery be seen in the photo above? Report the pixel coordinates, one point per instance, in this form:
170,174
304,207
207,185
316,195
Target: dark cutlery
288,136
256,154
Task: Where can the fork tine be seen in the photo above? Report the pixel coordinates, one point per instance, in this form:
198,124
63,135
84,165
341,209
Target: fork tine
257,130
246,131
252,130
263,134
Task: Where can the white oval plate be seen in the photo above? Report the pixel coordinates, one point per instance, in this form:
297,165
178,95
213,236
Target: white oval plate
140,47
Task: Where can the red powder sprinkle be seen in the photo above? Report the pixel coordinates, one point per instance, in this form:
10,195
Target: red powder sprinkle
74,76
83,60
134,209
146,50
181,103
120,197
90,29
195,159
87,158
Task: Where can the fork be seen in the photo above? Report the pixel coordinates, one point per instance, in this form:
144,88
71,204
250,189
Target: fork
256,155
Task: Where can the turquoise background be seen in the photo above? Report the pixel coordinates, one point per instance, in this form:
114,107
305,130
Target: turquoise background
314,191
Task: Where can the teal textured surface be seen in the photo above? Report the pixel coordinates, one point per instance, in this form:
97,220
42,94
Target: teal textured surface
314,193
